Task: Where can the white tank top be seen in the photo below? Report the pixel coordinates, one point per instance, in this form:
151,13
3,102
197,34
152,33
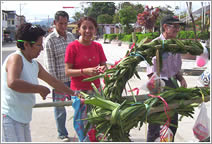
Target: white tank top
18,105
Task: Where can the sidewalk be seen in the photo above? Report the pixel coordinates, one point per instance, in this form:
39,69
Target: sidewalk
43,126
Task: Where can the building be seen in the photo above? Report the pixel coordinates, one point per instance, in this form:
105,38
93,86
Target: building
11,25
73,28
20,20
108,29
4,23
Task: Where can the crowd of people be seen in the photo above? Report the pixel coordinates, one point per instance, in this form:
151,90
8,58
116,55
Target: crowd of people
68,61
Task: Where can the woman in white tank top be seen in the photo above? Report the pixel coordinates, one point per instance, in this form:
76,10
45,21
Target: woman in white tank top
20,73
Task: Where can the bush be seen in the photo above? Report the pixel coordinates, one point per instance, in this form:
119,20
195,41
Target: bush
181,35
127,38
190,35
149,35
203,35
120,36
105,36
111,37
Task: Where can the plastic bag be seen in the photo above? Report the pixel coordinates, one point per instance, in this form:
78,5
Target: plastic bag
201,127
165,135
203,58
204,78
155,84
79,113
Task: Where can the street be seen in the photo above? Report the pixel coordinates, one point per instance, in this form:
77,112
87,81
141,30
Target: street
43,126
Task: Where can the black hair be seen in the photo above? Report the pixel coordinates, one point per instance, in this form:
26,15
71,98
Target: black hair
88,19
28,32
61,13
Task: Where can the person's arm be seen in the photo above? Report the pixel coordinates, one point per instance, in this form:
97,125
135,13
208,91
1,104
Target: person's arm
181,79
103,67
69,71
57,84
14,68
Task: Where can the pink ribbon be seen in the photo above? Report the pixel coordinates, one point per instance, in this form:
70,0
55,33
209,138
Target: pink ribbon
166,107
135,89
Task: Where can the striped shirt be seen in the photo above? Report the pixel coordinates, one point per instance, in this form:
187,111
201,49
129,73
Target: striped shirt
54,54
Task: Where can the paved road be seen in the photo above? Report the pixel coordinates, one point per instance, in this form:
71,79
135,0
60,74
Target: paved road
43,127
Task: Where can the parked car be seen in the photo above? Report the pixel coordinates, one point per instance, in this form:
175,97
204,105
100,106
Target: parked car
8,39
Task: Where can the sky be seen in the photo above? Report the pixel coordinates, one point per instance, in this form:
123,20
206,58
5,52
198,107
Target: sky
38,10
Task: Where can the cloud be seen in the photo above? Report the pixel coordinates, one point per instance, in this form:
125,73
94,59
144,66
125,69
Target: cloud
36,10
40,9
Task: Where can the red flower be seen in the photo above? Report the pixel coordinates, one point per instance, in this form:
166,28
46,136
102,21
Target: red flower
92,135
175,17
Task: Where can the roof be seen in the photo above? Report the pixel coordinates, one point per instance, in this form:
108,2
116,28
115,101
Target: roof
196,14
199,11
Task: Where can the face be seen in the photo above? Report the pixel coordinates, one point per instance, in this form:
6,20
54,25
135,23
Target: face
171,30
37,47
61,25
87,30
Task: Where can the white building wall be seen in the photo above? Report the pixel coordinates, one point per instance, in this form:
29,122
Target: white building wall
4,20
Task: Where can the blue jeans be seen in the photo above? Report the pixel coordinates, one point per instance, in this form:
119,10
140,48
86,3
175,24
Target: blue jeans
13,131
60,113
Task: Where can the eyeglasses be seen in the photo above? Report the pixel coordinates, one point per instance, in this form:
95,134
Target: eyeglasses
174,26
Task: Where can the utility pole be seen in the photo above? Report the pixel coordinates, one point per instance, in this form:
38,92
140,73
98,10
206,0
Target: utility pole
20,11
48,21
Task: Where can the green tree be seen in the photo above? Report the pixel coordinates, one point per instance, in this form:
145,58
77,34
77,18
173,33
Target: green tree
127,15
116,18
104,19
126,4
139,8
99,8
77,16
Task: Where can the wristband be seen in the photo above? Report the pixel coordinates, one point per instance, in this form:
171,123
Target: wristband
82,73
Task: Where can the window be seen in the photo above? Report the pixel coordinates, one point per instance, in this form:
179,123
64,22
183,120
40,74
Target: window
13,22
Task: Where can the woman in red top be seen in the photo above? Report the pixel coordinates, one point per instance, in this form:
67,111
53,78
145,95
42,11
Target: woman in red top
84,58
